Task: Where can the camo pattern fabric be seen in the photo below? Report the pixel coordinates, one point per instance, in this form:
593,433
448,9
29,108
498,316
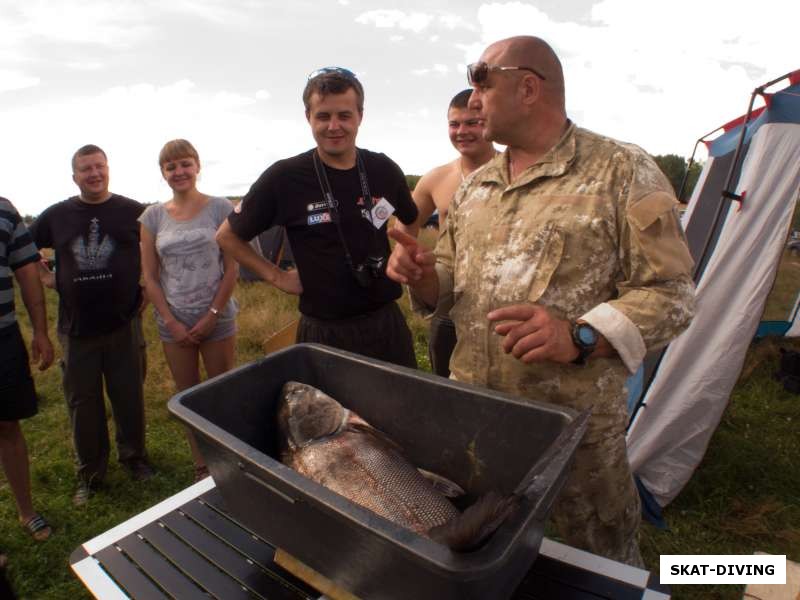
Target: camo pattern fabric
599,508
593,223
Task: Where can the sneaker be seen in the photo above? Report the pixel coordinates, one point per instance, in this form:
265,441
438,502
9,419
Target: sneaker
139,469
82,493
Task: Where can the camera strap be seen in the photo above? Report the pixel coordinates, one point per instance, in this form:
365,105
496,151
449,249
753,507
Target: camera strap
333,204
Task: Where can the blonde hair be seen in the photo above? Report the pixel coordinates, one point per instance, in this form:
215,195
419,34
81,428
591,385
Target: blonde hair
177,149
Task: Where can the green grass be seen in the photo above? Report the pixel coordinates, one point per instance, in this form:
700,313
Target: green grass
784,291
744,497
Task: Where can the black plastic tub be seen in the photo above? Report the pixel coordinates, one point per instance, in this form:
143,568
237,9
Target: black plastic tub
480,439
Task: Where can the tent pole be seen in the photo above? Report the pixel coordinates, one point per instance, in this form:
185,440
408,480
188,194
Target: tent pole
685,177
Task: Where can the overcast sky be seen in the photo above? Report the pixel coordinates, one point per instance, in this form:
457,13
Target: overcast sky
129,75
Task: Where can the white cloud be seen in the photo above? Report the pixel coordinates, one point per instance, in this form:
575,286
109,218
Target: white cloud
132,123
14,80
214,11
11,30
263,95
662,85
91,65
396,38
390,18
436,69
92,21
121,23
228,100
452,21
415,21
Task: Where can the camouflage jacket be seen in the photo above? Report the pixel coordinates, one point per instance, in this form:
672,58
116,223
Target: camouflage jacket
591,232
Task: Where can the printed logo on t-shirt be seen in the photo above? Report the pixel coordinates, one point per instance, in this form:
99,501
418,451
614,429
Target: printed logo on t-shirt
314,206
319,218
92,253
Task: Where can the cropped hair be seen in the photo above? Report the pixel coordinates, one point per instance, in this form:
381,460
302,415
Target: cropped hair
333,83
177,149
461,99
86,150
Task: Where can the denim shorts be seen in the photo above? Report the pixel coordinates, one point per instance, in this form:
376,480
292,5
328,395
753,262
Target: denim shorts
225,328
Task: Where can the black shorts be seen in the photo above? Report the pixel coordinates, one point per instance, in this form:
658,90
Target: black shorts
381,334
17,394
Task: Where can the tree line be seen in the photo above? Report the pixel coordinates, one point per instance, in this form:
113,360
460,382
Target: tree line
672,165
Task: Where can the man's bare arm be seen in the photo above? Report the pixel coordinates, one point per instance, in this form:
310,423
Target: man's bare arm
423,198
243,253
33,297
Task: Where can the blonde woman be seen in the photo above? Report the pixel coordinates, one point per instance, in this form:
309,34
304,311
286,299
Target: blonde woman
188,279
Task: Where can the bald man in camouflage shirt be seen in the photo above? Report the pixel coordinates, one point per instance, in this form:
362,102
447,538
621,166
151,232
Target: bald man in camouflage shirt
563,263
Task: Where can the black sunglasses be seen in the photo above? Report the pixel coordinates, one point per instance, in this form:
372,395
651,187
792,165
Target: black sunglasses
478,73
328,70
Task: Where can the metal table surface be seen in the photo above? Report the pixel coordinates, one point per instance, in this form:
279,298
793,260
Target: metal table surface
189,546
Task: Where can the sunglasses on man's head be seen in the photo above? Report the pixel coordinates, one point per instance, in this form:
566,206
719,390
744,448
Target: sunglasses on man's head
478,73
329,70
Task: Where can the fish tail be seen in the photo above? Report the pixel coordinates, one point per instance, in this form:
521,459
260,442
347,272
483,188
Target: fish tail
469,530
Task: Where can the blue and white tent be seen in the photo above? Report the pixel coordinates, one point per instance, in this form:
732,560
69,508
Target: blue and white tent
737,223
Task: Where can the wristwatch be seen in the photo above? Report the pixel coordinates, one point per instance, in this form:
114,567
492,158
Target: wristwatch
213,311
585,337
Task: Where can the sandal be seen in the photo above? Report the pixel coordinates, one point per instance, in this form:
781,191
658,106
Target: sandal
39,529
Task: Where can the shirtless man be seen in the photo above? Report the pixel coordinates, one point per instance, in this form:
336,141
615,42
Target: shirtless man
434,192
436,188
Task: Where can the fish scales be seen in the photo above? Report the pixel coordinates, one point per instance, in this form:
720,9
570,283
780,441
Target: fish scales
362,468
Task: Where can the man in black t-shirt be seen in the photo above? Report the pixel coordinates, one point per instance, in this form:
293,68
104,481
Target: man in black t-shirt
334,202
96,240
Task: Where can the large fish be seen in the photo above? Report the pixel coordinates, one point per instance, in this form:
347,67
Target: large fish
333,446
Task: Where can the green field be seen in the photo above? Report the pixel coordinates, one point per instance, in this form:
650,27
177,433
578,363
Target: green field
745,496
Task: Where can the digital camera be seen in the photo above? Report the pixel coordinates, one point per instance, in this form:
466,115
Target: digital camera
371,269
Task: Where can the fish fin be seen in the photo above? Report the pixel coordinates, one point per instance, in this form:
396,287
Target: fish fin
364,427
443,485
469,530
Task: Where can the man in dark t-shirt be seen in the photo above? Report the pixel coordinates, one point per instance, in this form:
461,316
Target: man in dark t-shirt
96,240
334,202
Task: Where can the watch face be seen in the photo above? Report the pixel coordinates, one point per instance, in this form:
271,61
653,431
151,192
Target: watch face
587,335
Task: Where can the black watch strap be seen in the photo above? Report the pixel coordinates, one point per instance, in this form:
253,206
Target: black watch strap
585,337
